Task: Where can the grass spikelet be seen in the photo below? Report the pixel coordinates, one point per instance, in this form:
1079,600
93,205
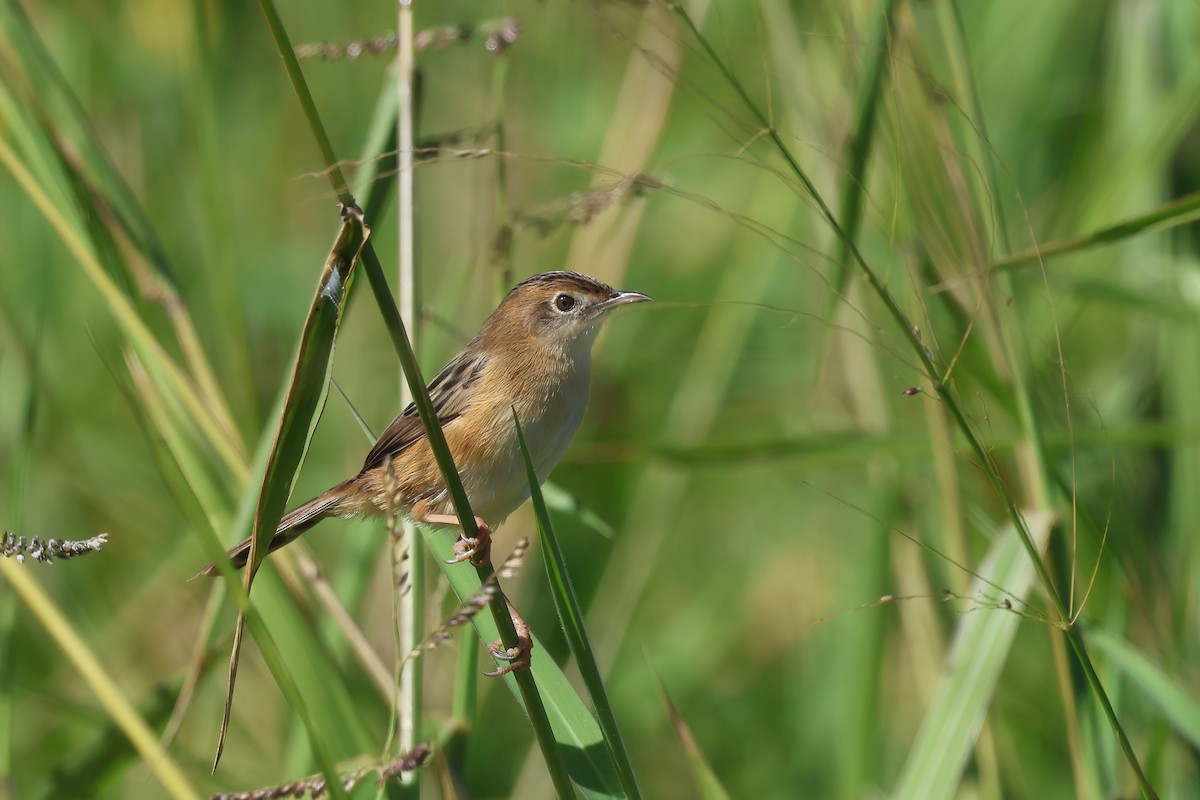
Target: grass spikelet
45,551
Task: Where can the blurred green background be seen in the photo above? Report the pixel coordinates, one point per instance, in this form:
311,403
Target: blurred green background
750,441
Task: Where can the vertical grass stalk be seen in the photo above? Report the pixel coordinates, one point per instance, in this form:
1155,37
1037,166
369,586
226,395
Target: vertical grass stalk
409,604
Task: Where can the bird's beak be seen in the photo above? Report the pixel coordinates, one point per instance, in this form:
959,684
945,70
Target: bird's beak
622,299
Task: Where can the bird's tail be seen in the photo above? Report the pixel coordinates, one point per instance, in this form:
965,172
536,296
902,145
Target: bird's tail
293,524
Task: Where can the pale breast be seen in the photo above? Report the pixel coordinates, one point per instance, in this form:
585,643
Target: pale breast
493,470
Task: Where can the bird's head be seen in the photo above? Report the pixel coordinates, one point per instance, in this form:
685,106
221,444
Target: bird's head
559,309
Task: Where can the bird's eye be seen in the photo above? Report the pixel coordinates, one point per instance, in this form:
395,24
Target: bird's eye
564,302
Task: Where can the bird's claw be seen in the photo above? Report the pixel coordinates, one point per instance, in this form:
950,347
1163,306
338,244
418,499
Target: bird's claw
476,549
518,657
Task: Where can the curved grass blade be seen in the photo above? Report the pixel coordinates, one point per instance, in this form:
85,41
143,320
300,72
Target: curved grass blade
315,689
305,398
309,384
951,725
329,701
570,614
373,181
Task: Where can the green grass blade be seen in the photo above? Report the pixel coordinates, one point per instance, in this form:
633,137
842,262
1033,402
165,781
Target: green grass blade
1178,212
8,619
375,276
68,133
981,645
462,715
310,672
373,181
945,393
1174,701
85,771
570,614
303,402
854,187
43,608
74,235
320,682
307,104
8,603
69,120
308,386
383,296
314,678
578,740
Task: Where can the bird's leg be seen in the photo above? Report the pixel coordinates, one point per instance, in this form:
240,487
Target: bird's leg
518,657
477,548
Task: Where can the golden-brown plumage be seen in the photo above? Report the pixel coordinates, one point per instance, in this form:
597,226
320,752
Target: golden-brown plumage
533,354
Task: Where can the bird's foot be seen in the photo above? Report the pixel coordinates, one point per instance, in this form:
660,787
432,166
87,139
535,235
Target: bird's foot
517,657
476,548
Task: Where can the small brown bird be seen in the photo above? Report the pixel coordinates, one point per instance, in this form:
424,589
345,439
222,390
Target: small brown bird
532,355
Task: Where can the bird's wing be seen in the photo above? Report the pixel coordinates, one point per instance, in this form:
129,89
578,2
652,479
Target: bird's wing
449,391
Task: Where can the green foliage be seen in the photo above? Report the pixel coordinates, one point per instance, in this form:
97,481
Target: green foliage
813,558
